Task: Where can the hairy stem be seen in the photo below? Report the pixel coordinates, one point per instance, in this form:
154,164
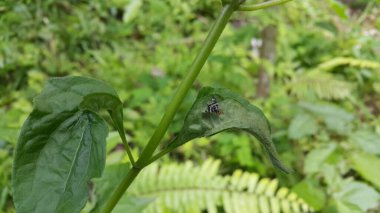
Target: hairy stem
145,157
262,5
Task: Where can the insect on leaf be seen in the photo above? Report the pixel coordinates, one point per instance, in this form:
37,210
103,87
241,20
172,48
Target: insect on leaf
235,113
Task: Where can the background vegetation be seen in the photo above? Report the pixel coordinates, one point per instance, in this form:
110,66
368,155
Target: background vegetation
312,66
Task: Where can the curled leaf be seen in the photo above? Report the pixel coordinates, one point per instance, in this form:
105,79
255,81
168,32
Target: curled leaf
233,112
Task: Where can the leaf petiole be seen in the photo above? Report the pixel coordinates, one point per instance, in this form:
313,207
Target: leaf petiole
117,118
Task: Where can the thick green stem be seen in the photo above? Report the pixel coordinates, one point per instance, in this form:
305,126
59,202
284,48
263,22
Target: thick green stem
262,5
145,157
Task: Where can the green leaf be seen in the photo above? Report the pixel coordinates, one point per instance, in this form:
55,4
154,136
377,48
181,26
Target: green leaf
68,93
112,103
311,194
358,194
236,113
80,93
368,166
317,157
366,140
330,174
302,125
335,118
62,145
56,156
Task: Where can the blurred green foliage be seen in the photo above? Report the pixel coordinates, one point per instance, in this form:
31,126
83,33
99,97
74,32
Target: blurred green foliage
324,101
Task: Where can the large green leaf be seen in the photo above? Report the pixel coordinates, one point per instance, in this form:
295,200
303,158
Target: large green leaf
62,145
236,113
80,93
67,94
56,156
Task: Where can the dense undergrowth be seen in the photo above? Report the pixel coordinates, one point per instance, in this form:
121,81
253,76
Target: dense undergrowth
323,98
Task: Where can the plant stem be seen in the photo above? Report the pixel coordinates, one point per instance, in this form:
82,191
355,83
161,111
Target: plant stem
262,5
199,61
121,189
208,45
160,154
195,68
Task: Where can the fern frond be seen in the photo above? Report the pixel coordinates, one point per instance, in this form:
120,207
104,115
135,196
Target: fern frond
352,62
323,85
188,188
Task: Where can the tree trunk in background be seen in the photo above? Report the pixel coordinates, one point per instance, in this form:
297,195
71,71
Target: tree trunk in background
268,53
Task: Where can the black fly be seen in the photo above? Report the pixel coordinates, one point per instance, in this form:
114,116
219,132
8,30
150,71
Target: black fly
213,107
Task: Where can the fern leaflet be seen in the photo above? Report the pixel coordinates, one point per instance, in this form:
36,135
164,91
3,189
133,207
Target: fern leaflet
188,188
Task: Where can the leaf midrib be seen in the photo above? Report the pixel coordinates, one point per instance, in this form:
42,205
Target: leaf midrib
75,159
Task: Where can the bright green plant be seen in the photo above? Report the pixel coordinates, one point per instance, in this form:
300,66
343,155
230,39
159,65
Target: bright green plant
62,143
